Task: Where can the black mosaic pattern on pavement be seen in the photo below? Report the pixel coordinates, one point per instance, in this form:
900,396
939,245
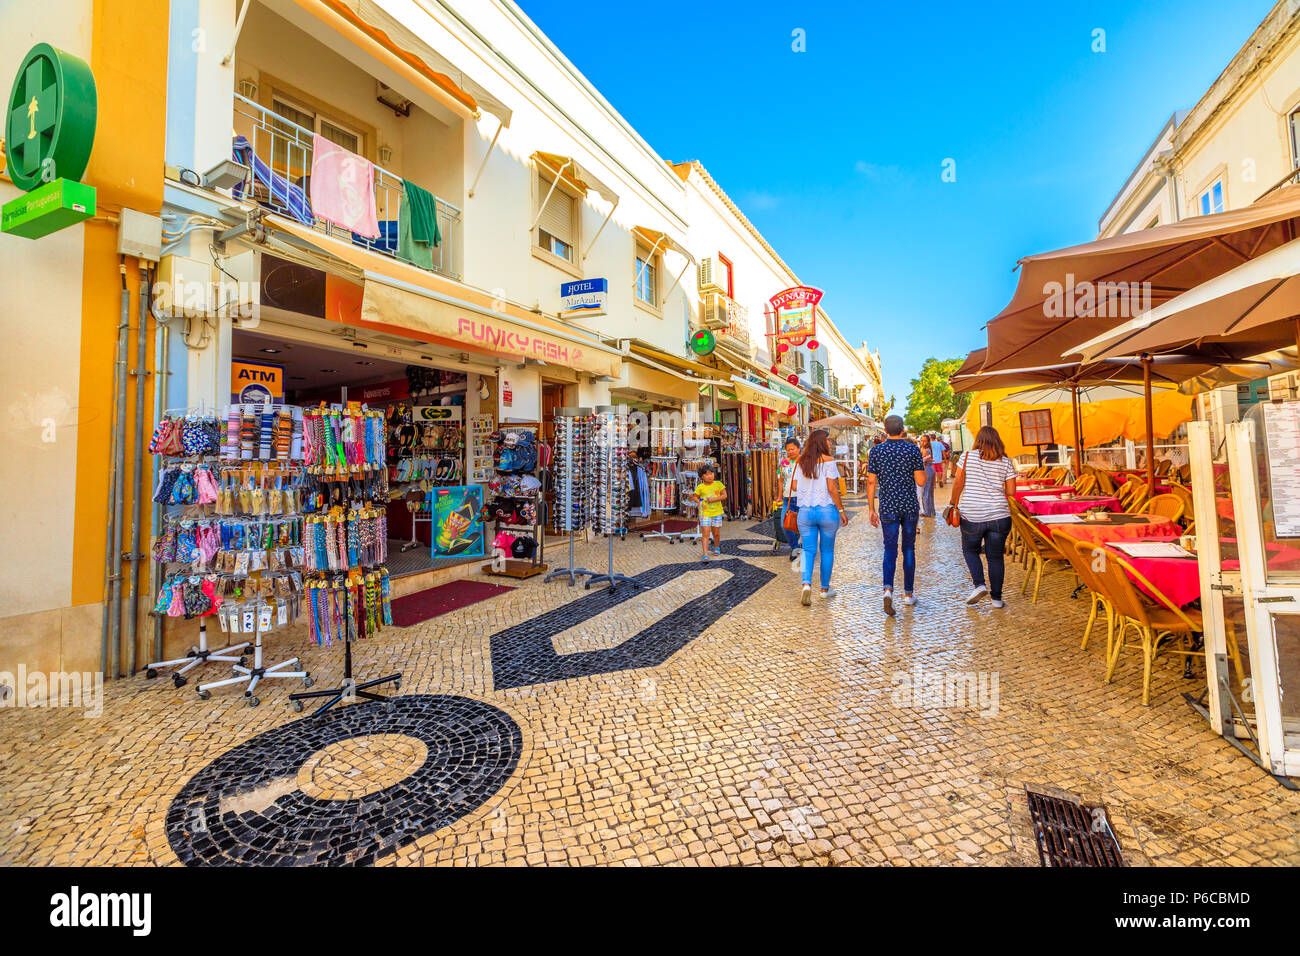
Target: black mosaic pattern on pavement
524,654
473,748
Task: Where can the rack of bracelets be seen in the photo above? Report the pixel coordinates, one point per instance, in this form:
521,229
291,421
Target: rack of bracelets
229,545
345,539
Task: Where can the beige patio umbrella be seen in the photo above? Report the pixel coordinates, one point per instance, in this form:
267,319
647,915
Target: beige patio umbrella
1076,294
1257,302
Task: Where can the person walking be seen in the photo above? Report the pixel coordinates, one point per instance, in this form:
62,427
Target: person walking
821,512
788,503
895,470
927,489
986,480
710,493
941,454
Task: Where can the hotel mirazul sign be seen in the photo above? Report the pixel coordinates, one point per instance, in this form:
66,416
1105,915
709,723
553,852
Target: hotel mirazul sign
49,132
794,313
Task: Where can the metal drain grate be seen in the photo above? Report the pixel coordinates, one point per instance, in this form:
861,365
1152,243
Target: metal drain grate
1072,834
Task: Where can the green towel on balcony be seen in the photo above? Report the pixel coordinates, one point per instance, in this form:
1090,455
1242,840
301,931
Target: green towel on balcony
417,227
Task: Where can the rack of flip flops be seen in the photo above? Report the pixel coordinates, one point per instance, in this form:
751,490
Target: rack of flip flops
229,545
422,456
345,537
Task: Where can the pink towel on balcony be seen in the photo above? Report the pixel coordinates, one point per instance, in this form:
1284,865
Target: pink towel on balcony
343,188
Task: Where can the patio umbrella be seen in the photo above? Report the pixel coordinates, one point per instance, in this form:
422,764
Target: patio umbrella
1258,303
1085,394
1076,294
841,420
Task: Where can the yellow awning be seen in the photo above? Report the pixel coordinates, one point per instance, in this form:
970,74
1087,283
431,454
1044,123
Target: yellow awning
654,239
383,36
406,299
705,372
755,394
568,169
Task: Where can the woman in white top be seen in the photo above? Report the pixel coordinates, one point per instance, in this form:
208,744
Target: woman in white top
816,489
986,480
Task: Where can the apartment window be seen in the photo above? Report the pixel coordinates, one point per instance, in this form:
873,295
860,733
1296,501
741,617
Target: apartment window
1211,201
1293,127
557,225
799,365
726,267
289,154
647,277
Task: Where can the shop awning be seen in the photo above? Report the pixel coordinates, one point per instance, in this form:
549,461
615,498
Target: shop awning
650,383
1072,295
755,394
796,395
407,300
656,355
372,28
568,169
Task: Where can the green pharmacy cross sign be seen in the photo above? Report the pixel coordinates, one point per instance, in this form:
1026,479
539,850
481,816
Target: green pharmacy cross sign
49,132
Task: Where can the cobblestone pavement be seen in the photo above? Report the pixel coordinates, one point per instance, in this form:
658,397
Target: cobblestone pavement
704,718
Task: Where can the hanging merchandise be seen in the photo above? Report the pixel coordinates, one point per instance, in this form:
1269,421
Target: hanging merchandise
571,505
341,443
349,606
517,499
663,483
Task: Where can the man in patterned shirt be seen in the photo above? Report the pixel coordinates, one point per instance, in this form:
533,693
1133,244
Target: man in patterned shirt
895,469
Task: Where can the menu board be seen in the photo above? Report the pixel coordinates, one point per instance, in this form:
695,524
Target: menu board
1036,427
1282,437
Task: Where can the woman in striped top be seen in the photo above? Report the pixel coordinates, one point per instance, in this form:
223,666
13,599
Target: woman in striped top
986,480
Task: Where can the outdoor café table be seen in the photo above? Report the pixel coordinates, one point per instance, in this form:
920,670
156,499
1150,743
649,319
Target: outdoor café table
1021,493
1177,578
1116,527
1068,506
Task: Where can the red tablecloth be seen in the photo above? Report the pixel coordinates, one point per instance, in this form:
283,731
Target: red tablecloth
1071,506
1177,578
1099,531
1050,490
1280,557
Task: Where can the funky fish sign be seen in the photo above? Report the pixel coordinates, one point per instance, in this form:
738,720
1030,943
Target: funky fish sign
794,313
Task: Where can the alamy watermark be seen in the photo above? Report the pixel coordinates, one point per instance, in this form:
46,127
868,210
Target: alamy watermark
919,689
1102,300
57,689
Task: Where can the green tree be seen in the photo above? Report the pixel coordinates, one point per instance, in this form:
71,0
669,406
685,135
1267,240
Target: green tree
932,399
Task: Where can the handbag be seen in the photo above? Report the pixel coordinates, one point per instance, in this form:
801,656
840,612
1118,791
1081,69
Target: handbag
790,520
952,516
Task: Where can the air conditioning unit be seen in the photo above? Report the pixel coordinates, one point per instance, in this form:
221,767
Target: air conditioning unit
712,275
394,100
713,311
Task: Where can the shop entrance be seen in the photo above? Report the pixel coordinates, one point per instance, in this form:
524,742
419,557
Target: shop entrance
424,409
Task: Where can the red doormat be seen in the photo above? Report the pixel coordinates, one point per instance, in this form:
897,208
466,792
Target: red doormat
434,602
671,525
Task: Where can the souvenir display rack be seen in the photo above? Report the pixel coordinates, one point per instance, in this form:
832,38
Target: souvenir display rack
346,539
231,482
572,427
517,503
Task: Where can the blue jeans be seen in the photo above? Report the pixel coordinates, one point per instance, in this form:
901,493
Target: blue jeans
818,523
927,493
791,537
891,526
991,538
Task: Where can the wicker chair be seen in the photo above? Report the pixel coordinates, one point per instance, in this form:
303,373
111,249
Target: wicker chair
1087,485
1166,506
1153,621
1081,555
1041,553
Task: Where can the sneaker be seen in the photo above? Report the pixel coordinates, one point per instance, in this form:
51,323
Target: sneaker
889,603
909,600
999,603
828,593
704,557
806,598
979,592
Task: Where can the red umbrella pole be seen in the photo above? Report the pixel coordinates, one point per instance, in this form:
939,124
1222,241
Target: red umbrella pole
1078,430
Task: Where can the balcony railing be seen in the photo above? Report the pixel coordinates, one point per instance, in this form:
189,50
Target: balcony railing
819,374
281,183
736,333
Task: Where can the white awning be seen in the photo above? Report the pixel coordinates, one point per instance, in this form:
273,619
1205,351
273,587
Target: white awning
568,169
755,394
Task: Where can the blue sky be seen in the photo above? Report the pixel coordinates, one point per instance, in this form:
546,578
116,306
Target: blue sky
836,153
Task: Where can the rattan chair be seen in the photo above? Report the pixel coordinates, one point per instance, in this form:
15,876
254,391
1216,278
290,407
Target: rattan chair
1087,485
1042,554
1166,506
1058,475
1164,467
1081,555
1153,621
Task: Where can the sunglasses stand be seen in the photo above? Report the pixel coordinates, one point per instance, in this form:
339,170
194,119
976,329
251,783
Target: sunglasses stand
611,435
567,523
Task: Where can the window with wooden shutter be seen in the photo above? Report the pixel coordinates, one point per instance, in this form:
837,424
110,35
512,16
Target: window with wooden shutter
555,226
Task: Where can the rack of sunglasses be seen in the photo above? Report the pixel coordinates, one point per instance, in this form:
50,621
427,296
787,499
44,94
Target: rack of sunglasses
572,428
606,461
664,470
